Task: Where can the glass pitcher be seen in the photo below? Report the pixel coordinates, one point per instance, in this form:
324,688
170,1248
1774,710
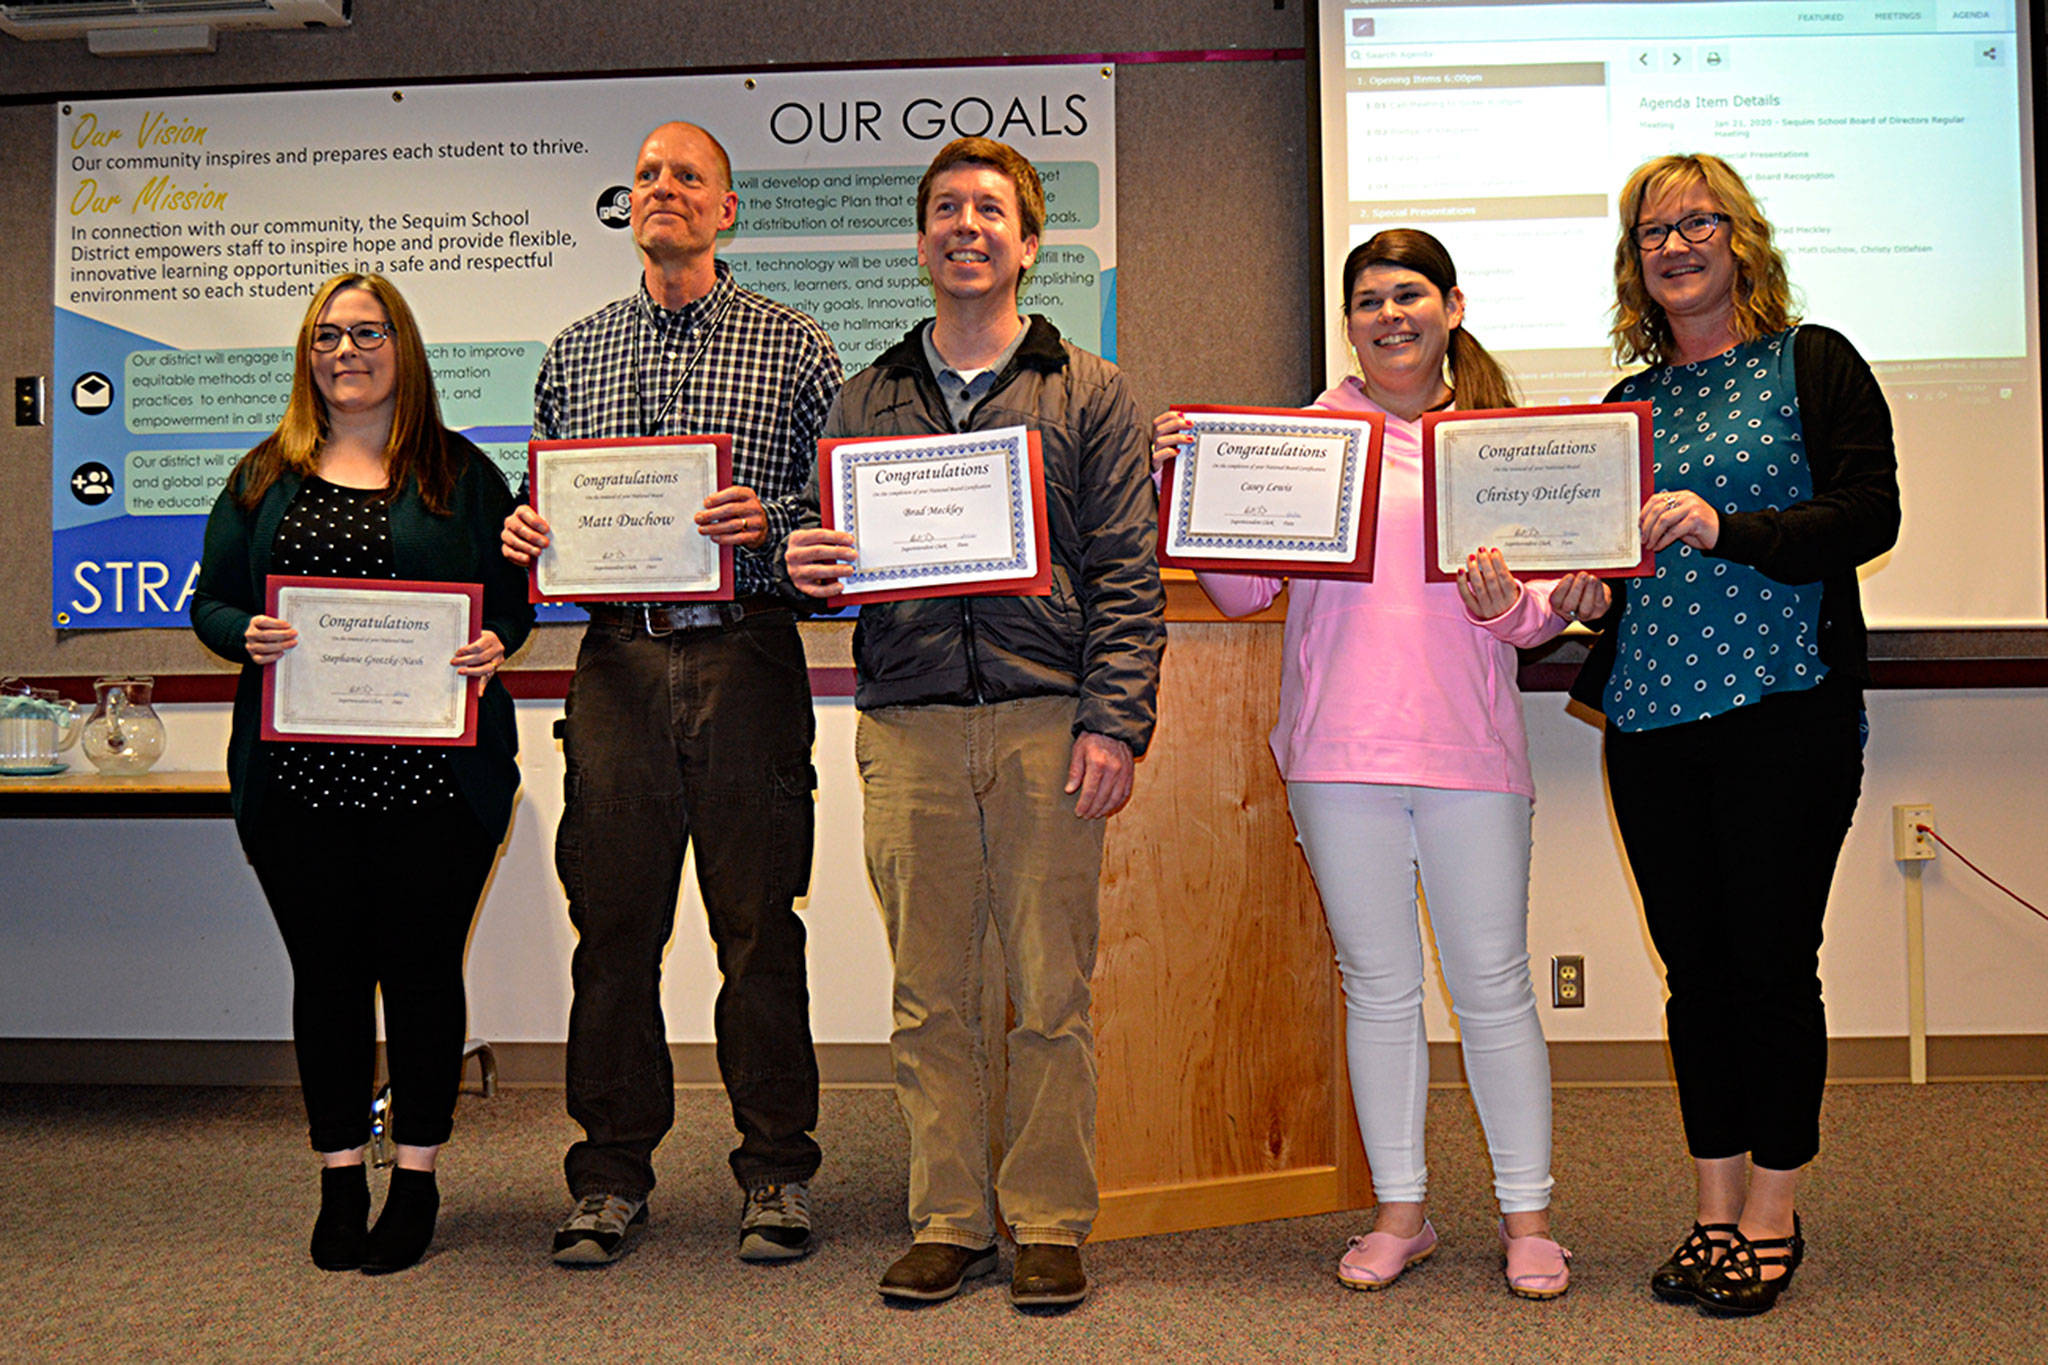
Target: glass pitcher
35,726
123,735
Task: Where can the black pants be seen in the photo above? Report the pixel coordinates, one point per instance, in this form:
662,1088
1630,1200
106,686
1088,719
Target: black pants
1733,826
368,901
696,737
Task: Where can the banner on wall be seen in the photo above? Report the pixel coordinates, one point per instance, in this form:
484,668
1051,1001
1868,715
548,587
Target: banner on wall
192,229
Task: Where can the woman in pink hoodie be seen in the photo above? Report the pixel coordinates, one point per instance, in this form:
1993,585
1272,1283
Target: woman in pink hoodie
1400,738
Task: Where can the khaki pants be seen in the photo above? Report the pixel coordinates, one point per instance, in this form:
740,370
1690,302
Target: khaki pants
967,823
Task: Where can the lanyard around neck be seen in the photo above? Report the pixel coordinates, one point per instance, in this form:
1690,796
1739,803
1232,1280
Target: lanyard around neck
689,366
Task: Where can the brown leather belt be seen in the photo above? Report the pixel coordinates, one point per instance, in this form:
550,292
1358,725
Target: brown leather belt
669,618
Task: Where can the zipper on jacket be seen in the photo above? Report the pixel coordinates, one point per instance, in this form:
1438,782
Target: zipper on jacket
923,379
973,649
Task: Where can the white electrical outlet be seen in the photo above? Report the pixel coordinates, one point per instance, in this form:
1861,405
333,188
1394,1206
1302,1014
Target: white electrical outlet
1909,845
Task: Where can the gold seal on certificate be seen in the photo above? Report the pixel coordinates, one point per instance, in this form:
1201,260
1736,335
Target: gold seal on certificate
939,516
622,519
1273,490
1555,490
372,662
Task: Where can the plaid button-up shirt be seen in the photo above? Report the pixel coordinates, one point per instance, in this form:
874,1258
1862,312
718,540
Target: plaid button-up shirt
731,361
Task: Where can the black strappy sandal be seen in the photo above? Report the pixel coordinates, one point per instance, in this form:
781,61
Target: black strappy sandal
1678,1279
1735,1287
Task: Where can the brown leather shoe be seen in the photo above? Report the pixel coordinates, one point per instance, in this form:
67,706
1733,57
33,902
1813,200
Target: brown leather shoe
931,1271
1048,1275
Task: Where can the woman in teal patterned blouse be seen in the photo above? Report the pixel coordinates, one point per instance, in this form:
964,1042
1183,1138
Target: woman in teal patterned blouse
1732,682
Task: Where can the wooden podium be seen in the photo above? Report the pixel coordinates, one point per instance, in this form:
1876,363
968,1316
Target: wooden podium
1219,1018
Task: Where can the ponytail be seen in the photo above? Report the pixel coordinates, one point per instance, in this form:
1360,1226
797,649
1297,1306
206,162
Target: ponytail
1477,379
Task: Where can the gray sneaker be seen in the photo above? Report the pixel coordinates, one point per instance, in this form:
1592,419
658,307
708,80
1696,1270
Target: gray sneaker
595,1234
775,1225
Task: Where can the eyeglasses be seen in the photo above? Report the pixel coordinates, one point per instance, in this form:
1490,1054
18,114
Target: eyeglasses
367,336
1694,227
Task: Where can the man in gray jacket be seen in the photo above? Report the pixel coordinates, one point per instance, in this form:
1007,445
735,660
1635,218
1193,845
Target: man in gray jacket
997,735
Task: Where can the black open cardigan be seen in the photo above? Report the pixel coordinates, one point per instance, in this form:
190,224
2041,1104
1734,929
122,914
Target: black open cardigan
1851,519
461,547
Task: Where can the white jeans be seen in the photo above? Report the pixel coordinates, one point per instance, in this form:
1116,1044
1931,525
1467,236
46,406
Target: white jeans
1365,843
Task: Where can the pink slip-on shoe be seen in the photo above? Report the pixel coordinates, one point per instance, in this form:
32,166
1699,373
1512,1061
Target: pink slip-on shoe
1377,1259
1538,1268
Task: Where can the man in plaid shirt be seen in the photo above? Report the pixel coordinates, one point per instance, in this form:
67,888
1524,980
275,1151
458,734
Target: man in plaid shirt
690,723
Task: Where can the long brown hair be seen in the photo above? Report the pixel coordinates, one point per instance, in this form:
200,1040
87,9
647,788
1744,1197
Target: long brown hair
1477,380
1763,292
419,451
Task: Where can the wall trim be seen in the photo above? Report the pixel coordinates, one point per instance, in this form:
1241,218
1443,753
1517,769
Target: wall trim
1900,660
178,1061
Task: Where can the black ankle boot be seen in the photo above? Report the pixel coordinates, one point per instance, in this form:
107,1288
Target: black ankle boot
338,1235
406,1225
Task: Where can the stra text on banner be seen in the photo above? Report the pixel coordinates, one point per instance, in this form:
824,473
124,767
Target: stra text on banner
191,231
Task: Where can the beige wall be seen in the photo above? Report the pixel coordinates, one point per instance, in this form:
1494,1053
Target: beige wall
155,928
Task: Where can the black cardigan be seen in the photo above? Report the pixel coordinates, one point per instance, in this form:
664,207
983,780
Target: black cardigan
461,547
1851,519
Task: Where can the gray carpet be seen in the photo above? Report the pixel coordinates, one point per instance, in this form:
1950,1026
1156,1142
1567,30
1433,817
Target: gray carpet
159,1224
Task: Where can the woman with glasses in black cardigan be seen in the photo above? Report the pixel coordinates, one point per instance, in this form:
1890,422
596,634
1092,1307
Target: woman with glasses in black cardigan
372,856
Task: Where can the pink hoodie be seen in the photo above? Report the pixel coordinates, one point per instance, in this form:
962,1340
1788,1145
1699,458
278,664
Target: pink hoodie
1393,681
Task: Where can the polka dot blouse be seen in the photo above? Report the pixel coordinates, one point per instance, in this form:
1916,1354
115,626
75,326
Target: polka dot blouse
334,532
1703,636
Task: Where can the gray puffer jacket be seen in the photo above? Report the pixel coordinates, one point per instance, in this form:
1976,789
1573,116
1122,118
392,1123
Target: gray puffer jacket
1100,634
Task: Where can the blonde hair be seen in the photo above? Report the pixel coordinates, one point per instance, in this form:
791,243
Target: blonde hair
1763,293
419,448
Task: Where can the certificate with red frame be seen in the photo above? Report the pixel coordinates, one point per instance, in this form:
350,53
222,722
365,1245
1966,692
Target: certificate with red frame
622,519
371,663
1286,491
1556,490
939,516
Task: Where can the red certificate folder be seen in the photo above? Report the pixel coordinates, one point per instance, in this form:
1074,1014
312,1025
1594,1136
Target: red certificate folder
1645,432
1038,584
275,583
722,593
1359,568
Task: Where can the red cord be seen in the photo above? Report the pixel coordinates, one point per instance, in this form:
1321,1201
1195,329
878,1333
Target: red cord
1928,830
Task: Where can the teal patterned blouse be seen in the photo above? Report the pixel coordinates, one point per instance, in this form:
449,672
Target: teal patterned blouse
1703,636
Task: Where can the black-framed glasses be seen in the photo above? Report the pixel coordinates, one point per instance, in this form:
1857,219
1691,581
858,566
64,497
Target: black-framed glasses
367,336
1694,227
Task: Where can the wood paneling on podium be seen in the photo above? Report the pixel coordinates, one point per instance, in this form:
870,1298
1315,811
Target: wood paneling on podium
1218,1013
